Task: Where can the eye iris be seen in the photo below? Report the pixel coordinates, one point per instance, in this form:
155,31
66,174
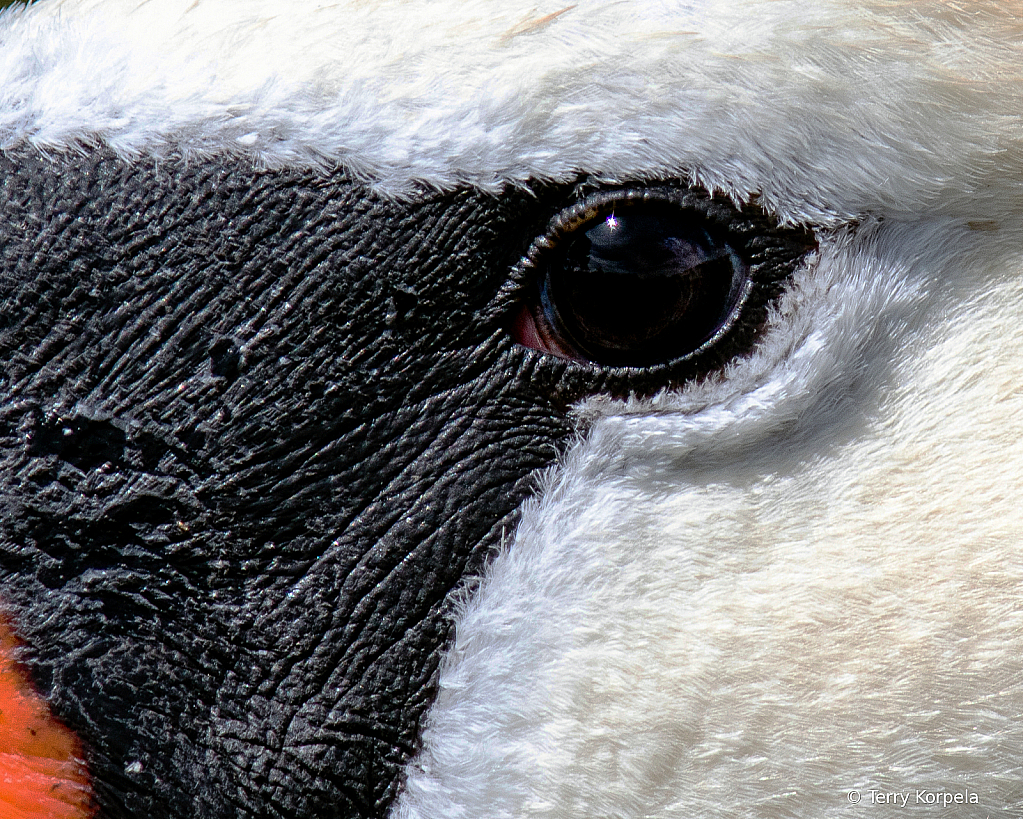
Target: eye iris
642,283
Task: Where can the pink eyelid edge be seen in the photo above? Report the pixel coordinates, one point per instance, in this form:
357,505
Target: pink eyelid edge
526,331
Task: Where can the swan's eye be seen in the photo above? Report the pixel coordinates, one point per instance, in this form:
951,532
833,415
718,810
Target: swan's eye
631,281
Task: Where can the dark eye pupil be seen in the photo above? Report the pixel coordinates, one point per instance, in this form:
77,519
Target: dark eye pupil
645,283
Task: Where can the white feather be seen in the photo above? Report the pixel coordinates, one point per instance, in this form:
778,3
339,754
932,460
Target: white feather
828,109
776,591
793,582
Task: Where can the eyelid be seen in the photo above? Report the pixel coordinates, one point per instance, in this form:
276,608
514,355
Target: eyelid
603,260
770,251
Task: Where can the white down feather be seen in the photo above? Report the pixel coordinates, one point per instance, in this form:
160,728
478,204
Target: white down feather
771,594
778,592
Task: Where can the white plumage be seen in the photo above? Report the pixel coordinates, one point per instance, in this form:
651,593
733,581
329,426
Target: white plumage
759,595
774,590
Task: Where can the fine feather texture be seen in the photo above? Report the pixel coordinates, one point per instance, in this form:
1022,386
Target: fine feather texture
827,110
800,589
758,595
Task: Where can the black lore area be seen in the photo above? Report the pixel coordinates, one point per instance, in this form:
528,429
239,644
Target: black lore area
256,428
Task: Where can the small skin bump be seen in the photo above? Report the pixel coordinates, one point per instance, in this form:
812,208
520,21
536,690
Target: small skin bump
42,771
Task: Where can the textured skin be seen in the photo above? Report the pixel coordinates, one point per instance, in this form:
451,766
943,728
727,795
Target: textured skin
256,427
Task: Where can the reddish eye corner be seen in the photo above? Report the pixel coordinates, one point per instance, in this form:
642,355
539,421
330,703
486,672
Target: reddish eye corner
523,330
534,332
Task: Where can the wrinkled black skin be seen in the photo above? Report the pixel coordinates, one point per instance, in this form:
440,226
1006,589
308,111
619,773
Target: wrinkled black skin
256,428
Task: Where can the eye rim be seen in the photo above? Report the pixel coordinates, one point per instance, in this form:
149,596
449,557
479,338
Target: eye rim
588,214
770,251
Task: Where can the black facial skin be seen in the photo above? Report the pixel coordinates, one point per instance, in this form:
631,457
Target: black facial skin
256,428
255,431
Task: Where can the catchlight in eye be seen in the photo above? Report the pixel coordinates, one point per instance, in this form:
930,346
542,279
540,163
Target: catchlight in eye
630,279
